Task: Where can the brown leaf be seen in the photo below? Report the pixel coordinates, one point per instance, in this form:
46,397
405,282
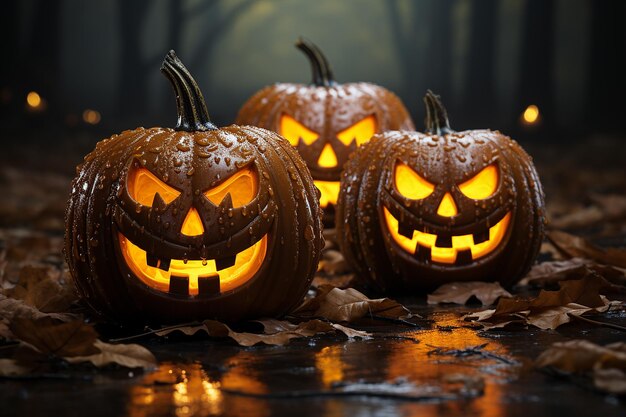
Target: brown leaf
350,332
460,292
275,332
613,205
548,274
605,365
575,246
349,305
11,308
10,367
549,309
127,355
51,337
41,287
280,337
582,217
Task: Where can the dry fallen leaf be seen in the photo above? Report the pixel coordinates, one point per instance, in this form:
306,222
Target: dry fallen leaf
349,305
10,367
549,309
548,274
575,246
460,292
578,217
127,355
42,287
605,365
51,337
275,332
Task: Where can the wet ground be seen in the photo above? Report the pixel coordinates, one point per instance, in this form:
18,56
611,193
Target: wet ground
402,371
206,377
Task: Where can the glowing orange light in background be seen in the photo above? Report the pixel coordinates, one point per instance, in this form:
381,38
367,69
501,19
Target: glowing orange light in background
531,115
34,101
91,117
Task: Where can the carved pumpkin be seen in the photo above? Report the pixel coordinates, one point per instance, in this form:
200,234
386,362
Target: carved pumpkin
418,210
193,222
325,121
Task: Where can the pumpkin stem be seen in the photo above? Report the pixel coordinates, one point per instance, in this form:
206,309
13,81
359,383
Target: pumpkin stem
436,115
322,73
192,112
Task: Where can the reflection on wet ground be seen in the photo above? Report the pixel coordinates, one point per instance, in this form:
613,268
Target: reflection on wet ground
201,377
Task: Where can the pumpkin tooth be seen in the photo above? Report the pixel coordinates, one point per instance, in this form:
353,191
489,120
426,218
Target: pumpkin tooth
422,253
405,231
209,284
165,264
463,257
179,285
226,262
152,260
481,237
444,241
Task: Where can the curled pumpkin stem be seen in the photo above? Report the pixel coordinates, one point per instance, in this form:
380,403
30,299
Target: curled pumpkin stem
436,115
322,73
193,115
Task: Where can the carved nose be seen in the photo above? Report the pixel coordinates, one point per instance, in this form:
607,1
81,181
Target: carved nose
447,208
327,158
192,225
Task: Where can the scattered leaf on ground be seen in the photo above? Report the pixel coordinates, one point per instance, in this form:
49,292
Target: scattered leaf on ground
349,305
460,292
51,337
10,367
42,287
576,246
549,309
548,274
605,365
127,355
275,332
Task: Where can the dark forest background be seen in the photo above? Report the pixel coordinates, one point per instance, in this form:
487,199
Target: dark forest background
95,64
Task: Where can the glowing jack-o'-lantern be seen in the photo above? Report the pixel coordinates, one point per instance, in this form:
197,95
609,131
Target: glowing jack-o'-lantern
419,210
325,121
193,222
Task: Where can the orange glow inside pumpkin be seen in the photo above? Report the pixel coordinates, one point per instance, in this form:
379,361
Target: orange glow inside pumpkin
293,131
242,186
329,191
246,265
459,243
143,185
410,184
362,131
481,185
327,158
447,207
192,225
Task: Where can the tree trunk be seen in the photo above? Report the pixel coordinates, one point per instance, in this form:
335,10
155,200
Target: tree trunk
536,85
479,99
607,87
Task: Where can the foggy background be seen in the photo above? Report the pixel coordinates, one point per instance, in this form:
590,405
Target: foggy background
94,65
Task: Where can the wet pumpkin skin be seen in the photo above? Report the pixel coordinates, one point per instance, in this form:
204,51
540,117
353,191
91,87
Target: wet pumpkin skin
192,159
445,159
326,108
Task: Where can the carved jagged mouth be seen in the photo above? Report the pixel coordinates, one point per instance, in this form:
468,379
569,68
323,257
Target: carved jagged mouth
458,250
194,277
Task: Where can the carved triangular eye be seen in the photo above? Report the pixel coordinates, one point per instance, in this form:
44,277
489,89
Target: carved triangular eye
143,186
293,131
361,131
409,183
243,186
481,185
